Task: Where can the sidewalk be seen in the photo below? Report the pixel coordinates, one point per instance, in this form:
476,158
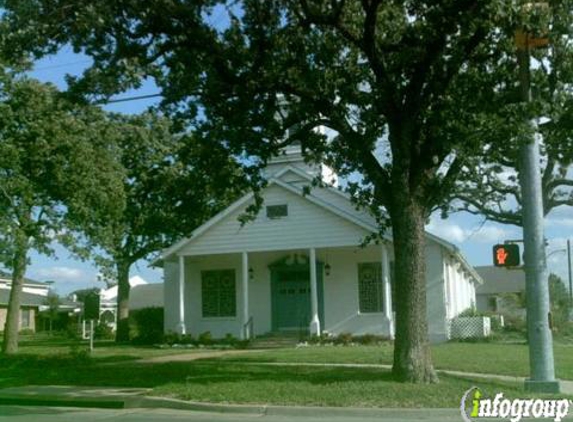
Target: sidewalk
131,398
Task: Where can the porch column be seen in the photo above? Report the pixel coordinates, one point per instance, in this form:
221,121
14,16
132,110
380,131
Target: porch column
181,325
387,289
245,333
315,321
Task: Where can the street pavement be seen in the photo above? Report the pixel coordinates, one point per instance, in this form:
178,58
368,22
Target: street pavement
58,414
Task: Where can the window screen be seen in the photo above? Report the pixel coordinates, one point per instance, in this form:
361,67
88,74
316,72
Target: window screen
218,293
277,211
370,287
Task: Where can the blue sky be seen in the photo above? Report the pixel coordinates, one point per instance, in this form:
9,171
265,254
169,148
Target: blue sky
468,232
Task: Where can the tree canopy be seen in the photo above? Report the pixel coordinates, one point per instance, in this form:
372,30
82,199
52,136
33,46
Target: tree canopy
407,91
172,182
47,172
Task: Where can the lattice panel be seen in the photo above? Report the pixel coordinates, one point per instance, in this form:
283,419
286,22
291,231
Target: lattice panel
470,327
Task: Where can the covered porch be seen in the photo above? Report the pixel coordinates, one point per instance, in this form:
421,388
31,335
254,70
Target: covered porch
305,290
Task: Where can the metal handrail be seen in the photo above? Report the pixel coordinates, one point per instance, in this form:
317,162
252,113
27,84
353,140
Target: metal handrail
249,329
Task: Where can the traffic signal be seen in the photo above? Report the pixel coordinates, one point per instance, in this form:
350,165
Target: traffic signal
506,255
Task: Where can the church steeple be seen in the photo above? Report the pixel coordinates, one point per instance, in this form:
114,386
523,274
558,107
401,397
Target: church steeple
292,156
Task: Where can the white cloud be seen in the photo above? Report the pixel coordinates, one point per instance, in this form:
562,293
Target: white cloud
560,222
457,234
67,274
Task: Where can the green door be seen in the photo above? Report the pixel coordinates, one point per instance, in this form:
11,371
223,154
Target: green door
290,297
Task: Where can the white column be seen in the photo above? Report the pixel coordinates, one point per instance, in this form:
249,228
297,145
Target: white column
181,325
387,290
315,321
245,333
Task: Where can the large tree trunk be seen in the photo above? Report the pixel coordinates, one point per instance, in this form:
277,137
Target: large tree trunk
12,325
412,358
122,332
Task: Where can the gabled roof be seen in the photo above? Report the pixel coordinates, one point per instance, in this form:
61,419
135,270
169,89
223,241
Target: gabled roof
501,280
4,276
26,299
146,296
348,213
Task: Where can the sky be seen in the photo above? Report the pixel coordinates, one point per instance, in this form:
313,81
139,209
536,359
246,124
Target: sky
471,234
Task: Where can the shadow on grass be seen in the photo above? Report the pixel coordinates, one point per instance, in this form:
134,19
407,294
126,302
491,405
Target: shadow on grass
70,370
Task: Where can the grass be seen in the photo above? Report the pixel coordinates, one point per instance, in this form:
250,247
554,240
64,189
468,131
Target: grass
231,382
244,379
41,345
489,358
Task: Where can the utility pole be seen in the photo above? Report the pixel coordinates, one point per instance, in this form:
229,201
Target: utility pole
541,363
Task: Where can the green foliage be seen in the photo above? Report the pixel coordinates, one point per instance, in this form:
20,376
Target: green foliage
205,338
410,92
52,166
103,331
148,325
560,303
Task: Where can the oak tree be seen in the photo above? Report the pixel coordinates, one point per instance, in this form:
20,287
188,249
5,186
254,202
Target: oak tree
404,88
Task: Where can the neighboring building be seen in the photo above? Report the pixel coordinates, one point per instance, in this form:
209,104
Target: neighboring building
146,296
29,309
34,303
30,286
34,294
498,283
299,266
108,301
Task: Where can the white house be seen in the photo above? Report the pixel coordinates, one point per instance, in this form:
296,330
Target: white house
299,266
108,301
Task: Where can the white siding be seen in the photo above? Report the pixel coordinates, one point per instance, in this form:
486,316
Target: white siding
341,310
171,295
307,225
435,295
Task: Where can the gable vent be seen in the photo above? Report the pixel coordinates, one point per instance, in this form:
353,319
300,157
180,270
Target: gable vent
277,211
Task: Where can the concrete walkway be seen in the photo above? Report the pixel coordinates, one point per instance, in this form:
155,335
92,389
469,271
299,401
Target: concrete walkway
185,357
566,385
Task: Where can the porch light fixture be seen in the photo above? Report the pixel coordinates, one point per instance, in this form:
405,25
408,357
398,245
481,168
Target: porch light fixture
327,269
251,273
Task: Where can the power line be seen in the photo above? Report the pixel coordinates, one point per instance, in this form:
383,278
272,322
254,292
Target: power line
57,66
123,100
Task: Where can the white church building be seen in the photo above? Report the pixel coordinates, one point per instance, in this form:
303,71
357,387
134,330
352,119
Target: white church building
299,266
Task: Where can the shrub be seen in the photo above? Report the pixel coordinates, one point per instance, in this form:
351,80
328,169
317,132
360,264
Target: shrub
26,332
370,339
147,325
103,331
242,344
343,338
229,339
80,354
205,338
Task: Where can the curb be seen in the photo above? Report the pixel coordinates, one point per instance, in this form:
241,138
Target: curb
289,411
154,402
170,403
58,401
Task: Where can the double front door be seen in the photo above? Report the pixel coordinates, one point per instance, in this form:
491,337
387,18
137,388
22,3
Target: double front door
291,298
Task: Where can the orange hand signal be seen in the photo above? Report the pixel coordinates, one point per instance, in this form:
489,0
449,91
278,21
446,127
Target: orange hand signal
501,256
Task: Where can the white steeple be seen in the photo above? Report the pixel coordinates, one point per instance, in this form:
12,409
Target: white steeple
292,156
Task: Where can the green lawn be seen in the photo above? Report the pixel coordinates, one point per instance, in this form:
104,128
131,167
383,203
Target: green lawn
491,358
52,346
229,382
239,379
